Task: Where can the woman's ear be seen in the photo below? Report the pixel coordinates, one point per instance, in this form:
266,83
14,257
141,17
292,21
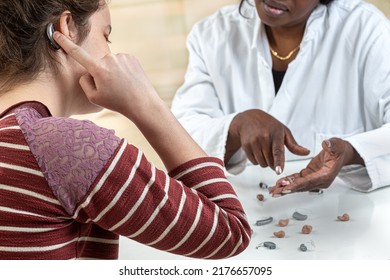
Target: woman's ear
66,25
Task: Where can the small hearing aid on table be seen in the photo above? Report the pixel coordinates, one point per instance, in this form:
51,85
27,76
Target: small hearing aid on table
49,32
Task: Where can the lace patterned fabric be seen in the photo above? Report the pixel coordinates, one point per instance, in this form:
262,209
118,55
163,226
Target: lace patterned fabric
70,153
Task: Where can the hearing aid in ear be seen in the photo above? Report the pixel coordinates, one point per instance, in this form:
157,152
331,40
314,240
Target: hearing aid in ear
49,32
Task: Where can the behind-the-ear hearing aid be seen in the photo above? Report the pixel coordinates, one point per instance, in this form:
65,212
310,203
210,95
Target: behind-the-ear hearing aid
49,33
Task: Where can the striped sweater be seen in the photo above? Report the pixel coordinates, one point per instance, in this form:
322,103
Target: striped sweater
69,188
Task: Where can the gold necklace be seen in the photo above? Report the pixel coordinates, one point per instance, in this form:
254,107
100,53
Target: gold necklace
283,58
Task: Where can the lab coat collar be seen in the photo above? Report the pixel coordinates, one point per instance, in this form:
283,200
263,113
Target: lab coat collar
315,23
260,40
257,31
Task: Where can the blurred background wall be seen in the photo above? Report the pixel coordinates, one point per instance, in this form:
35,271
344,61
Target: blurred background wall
155,31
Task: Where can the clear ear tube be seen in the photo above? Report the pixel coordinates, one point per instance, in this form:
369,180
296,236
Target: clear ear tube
267,244
308,246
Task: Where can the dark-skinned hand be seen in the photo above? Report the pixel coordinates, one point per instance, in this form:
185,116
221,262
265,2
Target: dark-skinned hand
263,138
321,170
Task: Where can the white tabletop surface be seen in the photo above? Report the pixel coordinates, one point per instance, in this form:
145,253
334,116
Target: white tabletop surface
365,236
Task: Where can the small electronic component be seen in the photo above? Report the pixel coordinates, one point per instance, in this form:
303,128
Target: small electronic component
318,191
280,234
307,229
308,246
303,247
298,216
283,222
260,197
49,33
265,221
263,186
268,244
343,218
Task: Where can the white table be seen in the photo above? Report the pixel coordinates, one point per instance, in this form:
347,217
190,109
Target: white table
365,236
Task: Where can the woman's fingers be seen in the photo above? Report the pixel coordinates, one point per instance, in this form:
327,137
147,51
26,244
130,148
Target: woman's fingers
77,53
278,154
293,146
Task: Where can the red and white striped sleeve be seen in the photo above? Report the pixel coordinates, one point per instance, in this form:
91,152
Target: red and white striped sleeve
193,211
99,178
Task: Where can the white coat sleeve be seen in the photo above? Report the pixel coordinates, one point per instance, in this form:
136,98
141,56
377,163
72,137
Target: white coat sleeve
197,106
374,145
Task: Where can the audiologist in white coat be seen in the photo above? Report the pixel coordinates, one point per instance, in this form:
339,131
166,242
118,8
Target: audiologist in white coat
265,75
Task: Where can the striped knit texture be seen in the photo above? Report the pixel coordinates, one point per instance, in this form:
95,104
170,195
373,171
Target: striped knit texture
193,211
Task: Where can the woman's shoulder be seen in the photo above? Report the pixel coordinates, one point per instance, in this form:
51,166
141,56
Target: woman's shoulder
225,25
224,19
357,22
358,10
38,124
70,153
51,139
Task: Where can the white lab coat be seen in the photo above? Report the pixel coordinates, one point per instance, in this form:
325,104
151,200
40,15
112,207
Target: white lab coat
337,86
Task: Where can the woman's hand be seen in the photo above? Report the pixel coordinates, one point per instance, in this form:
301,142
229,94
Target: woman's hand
321,170
262,137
